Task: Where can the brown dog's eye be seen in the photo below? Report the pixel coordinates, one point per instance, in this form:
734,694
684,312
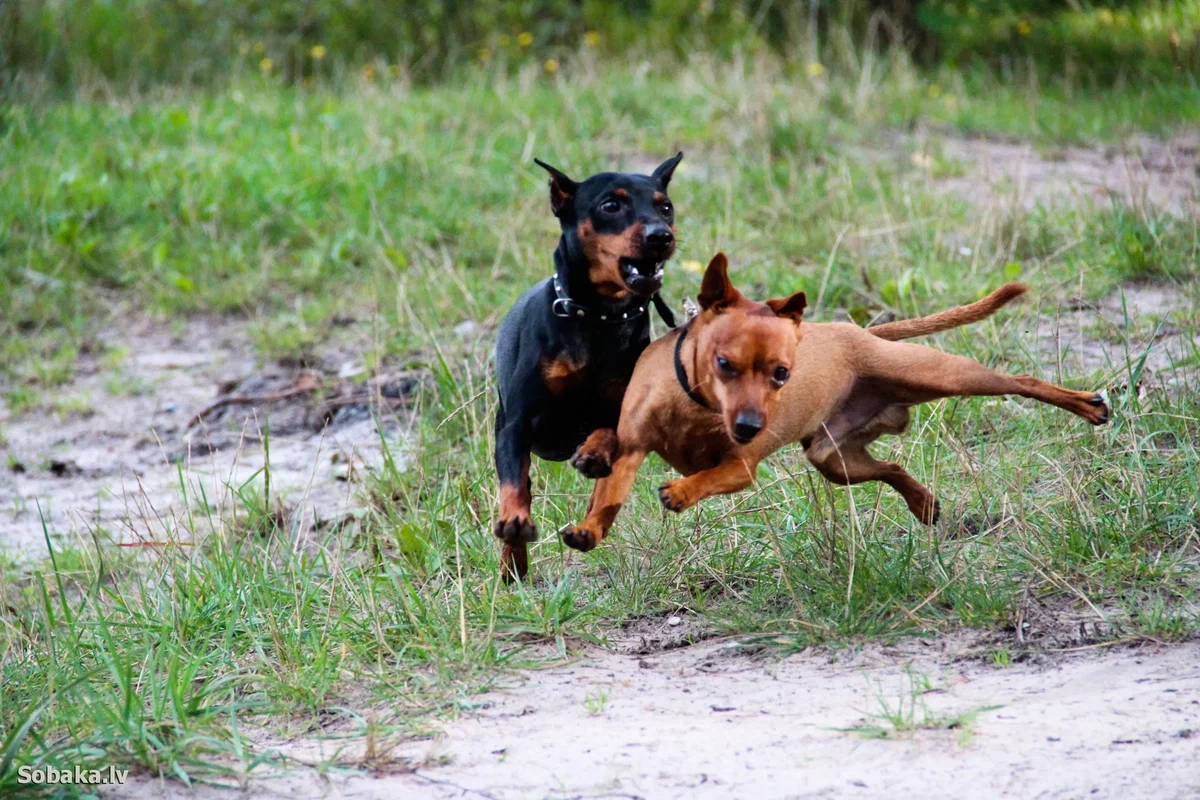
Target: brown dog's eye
781,375
724,365
610,206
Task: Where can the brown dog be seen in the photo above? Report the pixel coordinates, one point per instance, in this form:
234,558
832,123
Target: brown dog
743,379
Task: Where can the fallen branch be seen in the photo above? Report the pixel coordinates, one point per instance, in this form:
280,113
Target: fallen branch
305,383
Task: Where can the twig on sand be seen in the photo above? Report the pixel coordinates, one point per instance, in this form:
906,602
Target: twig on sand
305,383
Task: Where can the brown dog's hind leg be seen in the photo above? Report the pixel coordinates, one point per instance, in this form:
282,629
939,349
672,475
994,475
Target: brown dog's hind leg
608,495
727,477
917,374
514,561
850,463
1089,405
594,458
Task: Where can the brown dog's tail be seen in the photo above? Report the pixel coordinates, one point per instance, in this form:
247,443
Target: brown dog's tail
952,318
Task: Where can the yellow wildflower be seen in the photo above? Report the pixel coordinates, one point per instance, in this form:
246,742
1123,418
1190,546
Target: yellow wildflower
1023,27
591,39
317,51
924,161
693,266
1106,16
816,69
368,72
484,54
525,38
551,66
266,64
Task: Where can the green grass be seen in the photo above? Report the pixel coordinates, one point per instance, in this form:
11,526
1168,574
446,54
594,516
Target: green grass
414,210
910,714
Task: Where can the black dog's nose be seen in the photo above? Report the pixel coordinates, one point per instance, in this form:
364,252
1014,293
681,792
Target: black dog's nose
747,425
660,237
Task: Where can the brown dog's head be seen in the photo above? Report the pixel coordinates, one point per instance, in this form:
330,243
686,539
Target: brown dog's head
744,350
620,224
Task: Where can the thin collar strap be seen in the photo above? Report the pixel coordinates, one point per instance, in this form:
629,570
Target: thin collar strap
563,306
681,373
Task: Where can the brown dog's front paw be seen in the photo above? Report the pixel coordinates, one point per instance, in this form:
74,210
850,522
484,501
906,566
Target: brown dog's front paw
516,529
673,497
591,464
578,538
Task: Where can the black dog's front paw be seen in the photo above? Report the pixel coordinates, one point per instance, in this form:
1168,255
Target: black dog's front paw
578,538
516,529
591,465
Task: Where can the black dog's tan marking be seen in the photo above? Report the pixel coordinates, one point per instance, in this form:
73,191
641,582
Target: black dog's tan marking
604,252
561,376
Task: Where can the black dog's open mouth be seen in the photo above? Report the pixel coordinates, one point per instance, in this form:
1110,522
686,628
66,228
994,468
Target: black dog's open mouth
642,275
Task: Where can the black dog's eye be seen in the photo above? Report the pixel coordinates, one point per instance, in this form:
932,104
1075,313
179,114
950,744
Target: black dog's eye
666,210
610,206
781,375
724,365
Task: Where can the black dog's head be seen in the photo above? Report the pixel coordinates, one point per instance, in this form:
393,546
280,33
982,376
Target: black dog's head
623,224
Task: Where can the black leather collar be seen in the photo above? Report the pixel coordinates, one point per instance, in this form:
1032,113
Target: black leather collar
681,373
566,308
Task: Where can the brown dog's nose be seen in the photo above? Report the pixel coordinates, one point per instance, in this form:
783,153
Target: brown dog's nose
747,425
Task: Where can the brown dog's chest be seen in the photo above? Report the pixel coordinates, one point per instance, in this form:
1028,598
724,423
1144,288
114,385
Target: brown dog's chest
691,445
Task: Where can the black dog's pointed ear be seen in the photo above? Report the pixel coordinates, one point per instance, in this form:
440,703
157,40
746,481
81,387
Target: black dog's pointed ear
666,169
562,188
792,307
716,292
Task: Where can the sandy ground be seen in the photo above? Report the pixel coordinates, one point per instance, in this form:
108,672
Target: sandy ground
711,722
1142,172
115,466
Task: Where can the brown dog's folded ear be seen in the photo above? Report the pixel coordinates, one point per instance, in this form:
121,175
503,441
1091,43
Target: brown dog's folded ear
562,188
666,169
716,292
792,307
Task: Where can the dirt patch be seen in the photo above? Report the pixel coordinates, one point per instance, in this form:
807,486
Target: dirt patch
661,632
187,407
1141,172
907,720
1141,331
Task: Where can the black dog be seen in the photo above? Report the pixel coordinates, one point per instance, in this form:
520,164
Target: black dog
567,347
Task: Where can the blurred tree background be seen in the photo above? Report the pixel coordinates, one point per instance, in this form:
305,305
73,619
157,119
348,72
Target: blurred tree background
135,44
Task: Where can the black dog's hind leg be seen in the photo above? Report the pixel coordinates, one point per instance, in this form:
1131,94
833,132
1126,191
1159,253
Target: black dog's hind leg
514,526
